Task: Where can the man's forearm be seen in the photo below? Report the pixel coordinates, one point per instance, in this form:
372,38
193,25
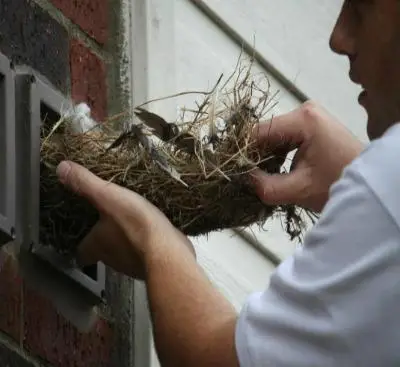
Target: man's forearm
194,325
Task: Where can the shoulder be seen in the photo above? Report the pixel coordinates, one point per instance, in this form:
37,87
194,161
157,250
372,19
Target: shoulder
378,168
309,314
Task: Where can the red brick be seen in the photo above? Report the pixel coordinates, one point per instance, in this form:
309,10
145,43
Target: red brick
10,297
49,336
88,79
90,15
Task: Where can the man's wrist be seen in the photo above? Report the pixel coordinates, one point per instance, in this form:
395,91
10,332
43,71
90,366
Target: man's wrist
168,249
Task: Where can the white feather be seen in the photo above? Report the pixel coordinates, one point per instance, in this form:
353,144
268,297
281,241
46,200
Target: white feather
80,119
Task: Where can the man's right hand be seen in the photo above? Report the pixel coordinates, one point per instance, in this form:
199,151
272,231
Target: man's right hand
193,323
324,148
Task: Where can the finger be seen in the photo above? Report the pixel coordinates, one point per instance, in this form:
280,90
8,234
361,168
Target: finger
279,189
284,132
80,180
274,163
103,195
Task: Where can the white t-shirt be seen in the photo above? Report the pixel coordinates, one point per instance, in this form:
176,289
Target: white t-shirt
336,301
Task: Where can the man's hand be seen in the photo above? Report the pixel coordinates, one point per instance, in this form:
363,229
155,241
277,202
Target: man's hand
131,230
194,325
324,148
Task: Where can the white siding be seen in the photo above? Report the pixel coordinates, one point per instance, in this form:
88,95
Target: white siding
191,42
293,36
203,52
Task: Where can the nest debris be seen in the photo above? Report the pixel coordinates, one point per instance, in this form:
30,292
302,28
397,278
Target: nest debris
196,170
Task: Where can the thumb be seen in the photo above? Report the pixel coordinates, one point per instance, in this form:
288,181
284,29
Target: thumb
278,189
84,183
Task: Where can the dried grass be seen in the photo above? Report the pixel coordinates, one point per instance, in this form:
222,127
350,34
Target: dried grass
199,177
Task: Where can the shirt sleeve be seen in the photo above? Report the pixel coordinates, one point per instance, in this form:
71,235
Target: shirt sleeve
335,301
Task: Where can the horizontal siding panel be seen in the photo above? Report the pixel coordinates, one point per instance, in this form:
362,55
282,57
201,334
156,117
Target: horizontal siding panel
232,265
203,52
293,36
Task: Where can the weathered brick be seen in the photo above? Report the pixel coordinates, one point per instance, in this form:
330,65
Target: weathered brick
52,338
10,296
28,35
88,79
90,15
9,358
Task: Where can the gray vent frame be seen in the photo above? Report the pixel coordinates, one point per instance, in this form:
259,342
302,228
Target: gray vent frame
32,90
7,152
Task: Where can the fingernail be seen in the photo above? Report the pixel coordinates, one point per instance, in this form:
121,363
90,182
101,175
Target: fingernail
63,170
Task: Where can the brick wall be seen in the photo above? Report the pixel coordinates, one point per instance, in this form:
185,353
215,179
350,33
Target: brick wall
68,41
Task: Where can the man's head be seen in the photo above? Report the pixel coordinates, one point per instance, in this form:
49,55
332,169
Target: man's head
368,32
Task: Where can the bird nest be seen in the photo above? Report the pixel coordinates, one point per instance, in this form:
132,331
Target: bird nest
195,170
